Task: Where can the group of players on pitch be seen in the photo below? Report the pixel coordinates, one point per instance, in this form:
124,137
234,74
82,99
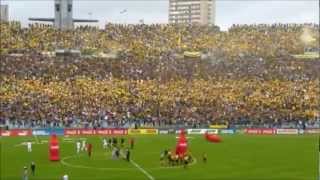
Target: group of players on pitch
168,158
84,146
117,149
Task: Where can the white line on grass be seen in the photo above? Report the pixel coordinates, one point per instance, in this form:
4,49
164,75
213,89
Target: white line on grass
63,162
142,170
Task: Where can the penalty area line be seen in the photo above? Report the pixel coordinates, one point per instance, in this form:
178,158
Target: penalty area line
142,170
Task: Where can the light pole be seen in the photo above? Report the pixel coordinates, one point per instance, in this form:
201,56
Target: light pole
124,13
90,15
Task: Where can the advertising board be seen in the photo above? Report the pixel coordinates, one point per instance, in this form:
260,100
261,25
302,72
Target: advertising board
312,131
202,131
47,132
261,131
142,131
16,132
287,131
88,132
226,131
219,126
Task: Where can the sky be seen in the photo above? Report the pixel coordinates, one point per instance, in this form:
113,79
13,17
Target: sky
228,12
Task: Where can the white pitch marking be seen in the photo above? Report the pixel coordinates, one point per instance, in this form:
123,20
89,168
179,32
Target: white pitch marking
63,162
142,170
32,142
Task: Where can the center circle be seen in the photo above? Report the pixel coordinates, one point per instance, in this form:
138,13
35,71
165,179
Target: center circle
82,161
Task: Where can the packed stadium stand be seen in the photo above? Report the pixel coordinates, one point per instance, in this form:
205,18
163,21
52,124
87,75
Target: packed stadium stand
142,76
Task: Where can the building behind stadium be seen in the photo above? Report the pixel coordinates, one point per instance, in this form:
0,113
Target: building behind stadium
192,11
63,16
4,11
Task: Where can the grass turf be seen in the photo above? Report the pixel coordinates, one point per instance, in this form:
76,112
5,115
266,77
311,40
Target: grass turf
238,157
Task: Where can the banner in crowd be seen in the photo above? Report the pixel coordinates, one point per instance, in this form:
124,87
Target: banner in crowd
287,131
262,131
202,131
87,132
172,131
240,131
123,131
16,132
226,131
220,126
312,131
168,131
163,131
142,131
48,132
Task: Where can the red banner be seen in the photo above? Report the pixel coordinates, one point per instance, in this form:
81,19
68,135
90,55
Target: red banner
261,131
88,132
16,132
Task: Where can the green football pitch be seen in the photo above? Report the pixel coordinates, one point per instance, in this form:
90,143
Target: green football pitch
238,157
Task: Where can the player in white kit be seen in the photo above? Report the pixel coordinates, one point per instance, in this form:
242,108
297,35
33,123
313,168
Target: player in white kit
84,147
78,144
105,143
65,177
29,146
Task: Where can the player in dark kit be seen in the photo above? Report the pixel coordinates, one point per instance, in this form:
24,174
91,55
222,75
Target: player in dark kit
89,148
110,143
117,153
176,159
169,158
162,156
131,143
128,155
186,161
33,168
122,142
166,152
114,141
204,158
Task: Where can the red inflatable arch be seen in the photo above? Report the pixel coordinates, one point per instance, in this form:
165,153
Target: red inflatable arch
212,138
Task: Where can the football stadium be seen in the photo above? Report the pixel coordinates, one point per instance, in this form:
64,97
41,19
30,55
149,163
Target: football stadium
188,99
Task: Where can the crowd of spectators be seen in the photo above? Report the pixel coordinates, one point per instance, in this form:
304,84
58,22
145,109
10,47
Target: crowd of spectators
247,78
